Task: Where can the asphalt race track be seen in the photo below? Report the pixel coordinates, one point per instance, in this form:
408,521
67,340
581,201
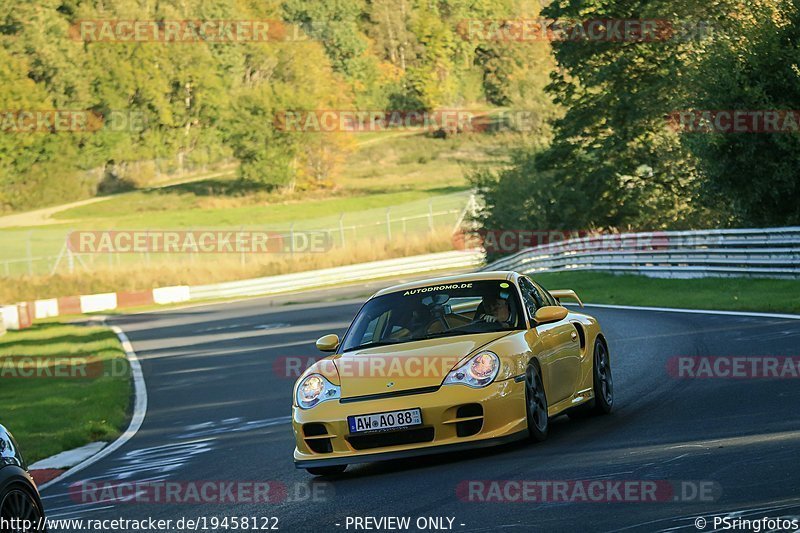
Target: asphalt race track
219,411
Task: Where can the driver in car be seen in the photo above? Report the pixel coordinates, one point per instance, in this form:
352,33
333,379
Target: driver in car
497,310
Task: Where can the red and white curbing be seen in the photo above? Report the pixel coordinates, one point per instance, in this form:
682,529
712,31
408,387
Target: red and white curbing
52,467
22,315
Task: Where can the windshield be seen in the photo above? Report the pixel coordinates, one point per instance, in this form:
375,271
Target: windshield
436,311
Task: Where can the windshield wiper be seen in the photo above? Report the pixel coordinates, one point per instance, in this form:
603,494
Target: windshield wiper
458,332
450,333
373,344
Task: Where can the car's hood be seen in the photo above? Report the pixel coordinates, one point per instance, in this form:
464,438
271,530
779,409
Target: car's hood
409,365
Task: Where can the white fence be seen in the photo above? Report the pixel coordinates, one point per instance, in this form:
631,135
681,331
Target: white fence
768,252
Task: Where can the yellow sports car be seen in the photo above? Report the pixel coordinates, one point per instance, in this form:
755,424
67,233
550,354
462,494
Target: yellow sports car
448,364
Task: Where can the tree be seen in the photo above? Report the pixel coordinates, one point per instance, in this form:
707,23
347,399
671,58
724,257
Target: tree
754,175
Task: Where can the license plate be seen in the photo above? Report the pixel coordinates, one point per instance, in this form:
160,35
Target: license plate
385,421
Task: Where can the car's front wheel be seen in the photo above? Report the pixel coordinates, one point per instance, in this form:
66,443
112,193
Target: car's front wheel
327,470
536,403
18,501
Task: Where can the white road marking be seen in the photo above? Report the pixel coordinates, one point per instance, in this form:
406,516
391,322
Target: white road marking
693,311
139,411
81,511
235,425
158,459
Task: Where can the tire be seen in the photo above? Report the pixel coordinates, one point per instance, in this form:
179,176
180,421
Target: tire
327,470
17,500
602,380
602,386
536,404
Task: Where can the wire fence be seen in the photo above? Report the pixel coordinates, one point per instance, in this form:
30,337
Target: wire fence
55,250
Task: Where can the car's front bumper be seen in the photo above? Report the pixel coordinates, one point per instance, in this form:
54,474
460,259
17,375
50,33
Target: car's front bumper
444,426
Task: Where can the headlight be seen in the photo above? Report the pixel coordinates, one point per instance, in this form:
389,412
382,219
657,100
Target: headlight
478,372
316,389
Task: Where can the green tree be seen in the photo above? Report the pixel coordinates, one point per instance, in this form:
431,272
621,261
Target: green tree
755,176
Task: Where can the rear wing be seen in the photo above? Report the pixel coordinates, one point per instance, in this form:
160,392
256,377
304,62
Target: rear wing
566,293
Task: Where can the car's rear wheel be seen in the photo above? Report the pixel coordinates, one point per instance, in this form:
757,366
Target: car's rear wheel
536,403
17,501
327,470
602,385
603,382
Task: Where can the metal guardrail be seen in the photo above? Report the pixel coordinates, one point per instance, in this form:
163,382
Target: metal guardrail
769,252
339,275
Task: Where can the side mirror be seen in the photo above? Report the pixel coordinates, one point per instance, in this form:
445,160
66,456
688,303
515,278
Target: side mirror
549,314
328,343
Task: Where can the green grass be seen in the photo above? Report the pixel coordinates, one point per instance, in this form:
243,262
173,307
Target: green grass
409,175
421,163
363,217
177,211
386,173
48,415
728,294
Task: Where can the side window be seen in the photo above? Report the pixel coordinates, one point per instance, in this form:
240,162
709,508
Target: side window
546,294
537,294
530,296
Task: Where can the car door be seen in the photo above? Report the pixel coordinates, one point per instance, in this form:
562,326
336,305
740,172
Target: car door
557,345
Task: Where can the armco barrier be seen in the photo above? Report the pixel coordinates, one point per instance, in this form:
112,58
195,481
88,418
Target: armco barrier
771,252
339,275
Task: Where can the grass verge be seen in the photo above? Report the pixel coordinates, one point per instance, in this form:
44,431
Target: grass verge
51,405
726,294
